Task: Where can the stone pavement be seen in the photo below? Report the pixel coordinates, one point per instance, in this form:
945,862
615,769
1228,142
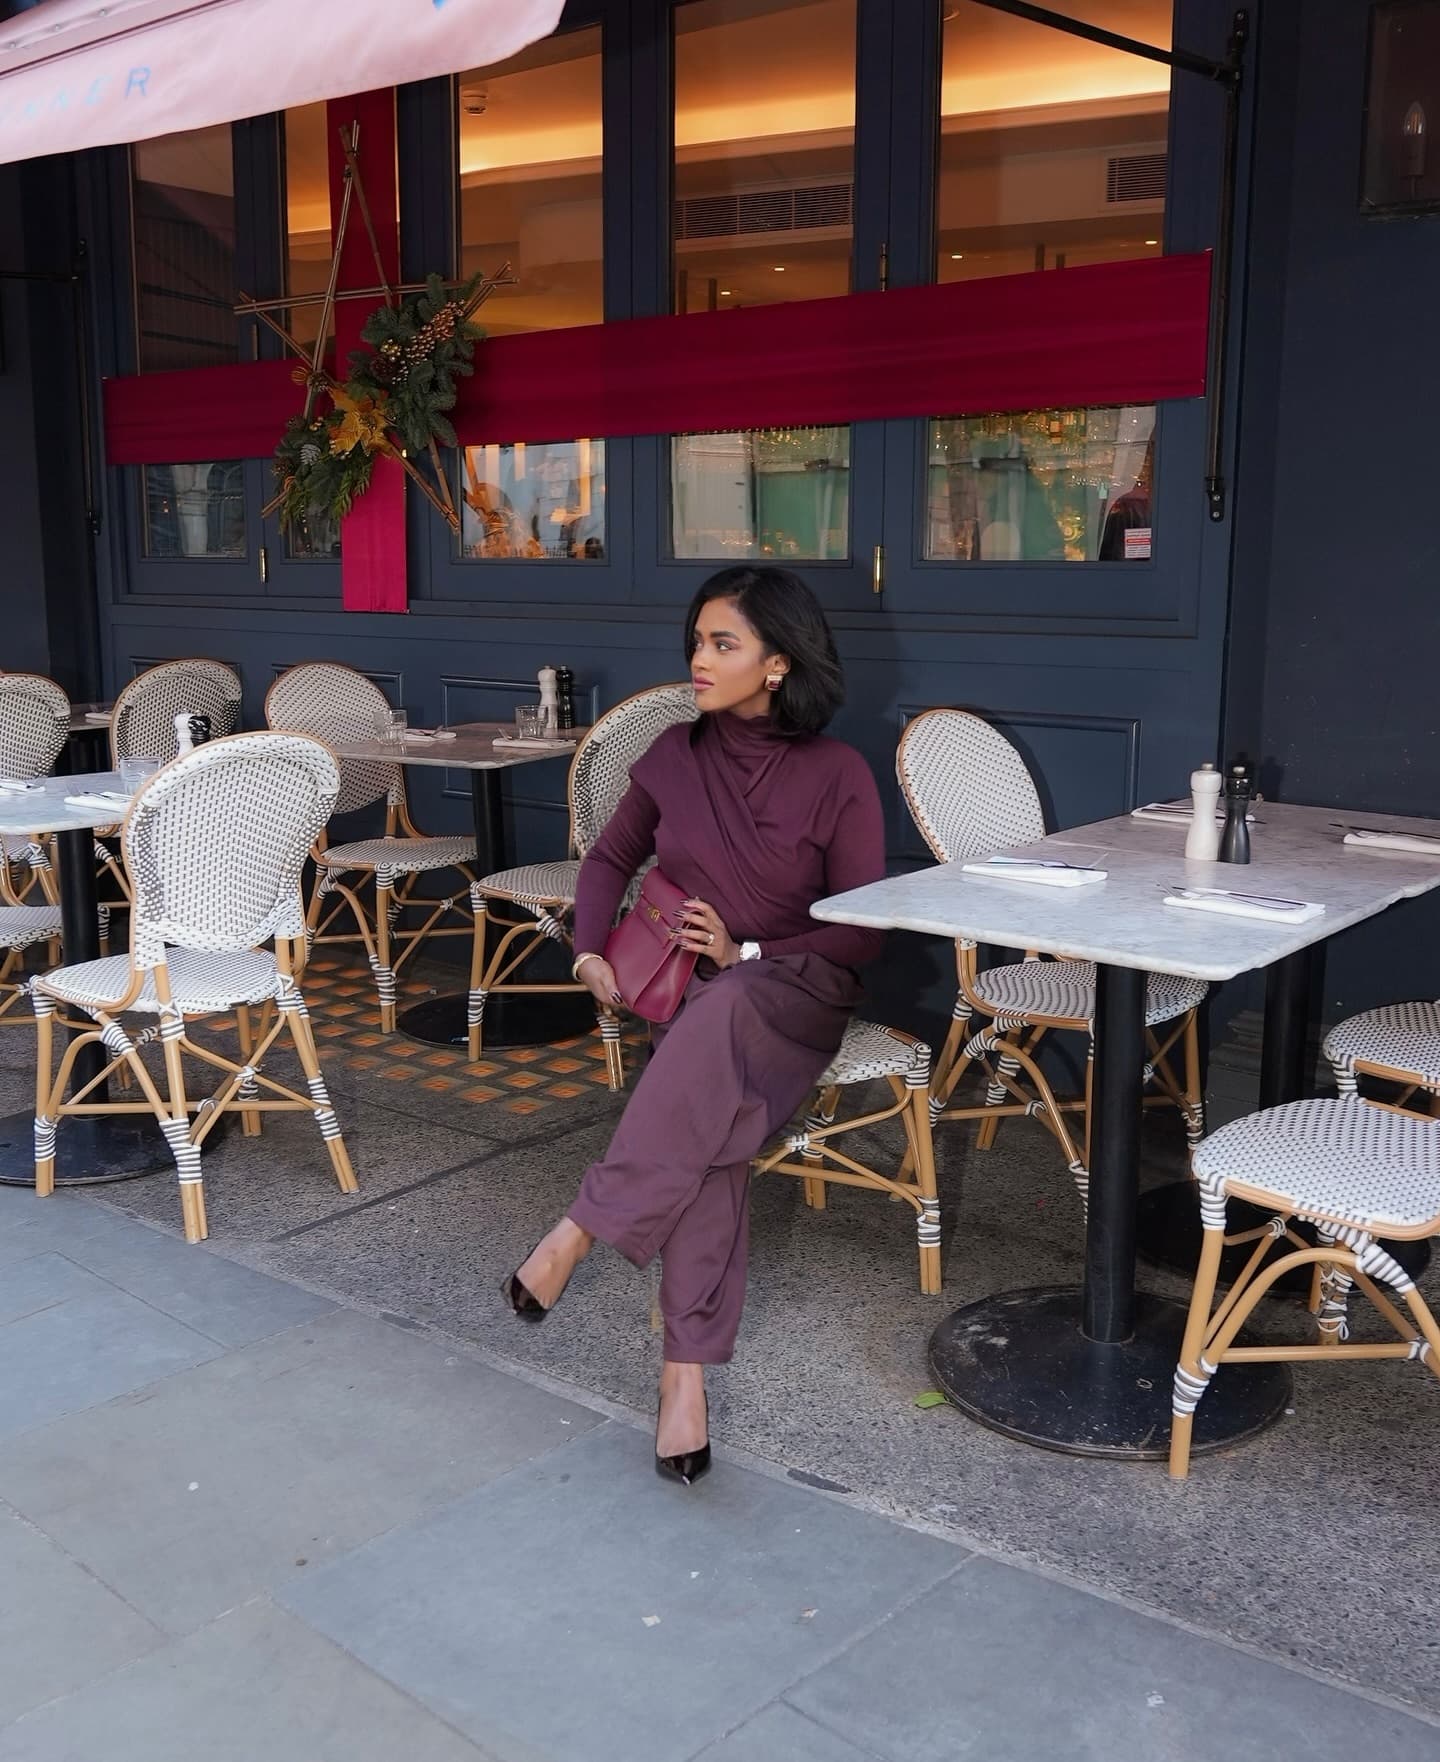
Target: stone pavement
243,1523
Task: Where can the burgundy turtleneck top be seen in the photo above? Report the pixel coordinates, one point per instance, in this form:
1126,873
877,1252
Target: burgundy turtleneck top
756,823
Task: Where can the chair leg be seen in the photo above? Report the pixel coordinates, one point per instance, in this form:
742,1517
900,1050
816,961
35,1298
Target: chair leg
46,1116
299,1019
177,1133
384,972
813,1186
244,1028
995,1094
927,1225
475,1007
1194,1092
1193,1373
609,1026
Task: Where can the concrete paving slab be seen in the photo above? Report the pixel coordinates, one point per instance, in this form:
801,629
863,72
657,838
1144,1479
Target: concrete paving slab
195,1494
780,1734
254,1685
585,1609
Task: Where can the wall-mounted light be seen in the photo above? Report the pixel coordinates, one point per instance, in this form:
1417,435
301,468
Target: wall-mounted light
1415,133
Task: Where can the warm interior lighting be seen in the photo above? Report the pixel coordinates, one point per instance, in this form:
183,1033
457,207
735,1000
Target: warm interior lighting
582,448
779,269
519,461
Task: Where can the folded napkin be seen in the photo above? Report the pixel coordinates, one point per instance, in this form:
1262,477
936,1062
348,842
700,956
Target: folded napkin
1416,841
424,736
1245,905
1175,813
21,786
97,716
1042,872
108,799
543,743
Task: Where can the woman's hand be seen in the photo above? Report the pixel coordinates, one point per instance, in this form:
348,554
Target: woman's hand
702,932
598,978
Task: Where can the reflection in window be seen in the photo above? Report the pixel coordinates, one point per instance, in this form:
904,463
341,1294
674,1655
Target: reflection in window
764,151
195,510
763,492
530,137
1069,486
183,209
307,215
1052,149
313,539
541,499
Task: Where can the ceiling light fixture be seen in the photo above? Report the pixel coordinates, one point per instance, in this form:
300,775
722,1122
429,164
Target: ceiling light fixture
779,269
957,256
1152,241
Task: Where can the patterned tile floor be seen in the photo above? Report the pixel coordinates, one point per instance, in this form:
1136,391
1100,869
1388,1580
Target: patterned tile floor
519,1080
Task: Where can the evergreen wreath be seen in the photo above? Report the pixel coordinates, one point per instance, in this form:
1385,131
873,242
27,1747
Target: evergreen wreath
393,402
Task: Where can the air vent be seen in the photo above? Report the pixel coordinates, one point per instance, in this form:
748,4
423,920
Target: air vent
1135,177
754,212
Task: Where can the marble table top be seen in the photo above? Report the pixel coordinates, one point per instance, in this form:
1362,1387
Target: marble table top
46,810
1296,852
473,749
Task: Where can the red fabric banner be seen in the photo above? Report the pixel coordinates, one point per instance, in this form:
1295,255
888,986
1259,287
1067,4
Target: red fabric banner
372,535
1111,333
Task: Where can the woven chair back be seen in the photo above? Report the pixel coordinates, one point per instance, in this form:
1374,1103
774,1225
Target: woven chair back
967,788
337,705
216,843
142,724
600,770
34,724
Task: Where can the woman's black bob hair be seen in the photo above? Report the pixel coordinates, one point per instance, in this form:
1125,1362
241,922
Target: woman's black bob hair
786,616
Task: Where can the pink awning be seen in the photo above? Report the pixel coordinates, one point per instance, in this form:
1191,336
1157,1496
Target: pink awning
91,73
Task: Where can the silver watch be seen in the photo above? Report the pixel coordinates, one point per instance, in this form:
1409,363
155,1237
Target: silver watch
749,951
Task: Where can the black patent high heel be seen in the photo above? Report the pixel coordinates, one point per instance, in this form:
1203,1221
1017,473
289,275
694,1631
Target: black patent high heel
520,1298
689,1465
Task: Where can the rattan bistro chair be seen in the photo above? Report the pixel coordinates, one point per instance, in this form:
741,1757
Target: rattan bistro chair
336,704
527,906
869,1053
1354,1169
969,793
34,726
1398,1043
215,846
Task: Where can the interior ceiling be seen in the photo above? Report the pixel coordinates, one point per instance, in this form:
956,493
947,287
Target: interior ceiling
773,85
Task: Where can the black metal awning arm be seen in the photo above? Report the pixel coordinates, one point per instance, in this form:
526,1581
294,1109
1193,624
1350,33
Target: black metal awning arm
1226,72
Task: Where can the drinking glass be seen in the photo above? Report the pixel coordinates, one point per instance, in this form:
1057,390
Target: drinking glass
529,722
390,726
134,772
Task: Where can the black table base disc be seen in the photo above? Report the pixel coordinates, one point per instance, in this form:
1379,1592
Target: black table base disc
1169,1232
515,1018
90,1150
1019,1364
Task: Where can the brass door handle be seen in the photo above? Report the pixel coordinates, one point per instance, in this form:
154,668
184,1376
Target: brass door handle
877,570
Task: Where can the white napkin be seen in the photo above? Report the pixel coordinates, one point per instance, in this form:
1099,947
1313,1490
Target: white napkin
1416,841
424,736
1245,905
1175,813
20,786
1042,872
97,716
543,743
109,799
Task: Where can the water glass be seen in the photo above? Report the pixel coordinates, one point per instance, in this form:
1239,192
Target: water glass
529,722
134,772
390,727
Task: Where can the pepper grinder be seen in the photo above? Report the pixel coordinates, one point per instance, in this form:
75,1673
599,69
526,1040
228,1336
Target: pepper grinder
1235,839
190,731
548,706
1202,841
565,698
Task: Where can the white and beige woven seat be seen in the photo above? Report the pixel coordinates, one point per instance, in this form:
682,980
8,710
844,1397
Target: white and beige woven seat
535,902
1357,1171
34,726
338,705
1399,1042
215,847
970,794
870,1053
22,927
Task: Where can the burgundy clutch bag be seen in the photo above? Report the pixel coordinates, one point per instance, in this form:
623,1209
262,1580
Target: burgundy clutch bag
651,971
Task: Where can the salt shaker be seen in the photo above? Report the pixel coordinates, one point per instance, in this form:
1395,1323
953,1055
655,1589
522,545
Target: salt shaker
549,702
1235,839
1202,841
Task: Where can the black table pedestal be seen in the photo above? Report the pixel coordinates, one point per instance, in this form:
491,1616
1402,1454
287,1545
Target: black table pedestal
511,1018
1089,1372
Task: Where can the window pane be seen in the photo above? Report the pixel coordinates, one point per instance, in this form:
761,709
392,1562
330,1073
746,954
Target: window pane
764,151
1052,149
529,131
541,499
764,492
1067,486
315,538
307,215
195,510
183,204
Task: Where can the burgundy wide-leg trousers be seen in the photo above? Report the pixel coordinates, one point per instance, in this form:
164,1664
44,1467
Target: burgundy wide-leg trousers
728,1071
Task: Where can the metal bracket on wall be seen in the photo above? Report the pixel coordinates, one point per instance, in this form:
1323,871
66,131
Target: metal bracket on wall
1226,73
